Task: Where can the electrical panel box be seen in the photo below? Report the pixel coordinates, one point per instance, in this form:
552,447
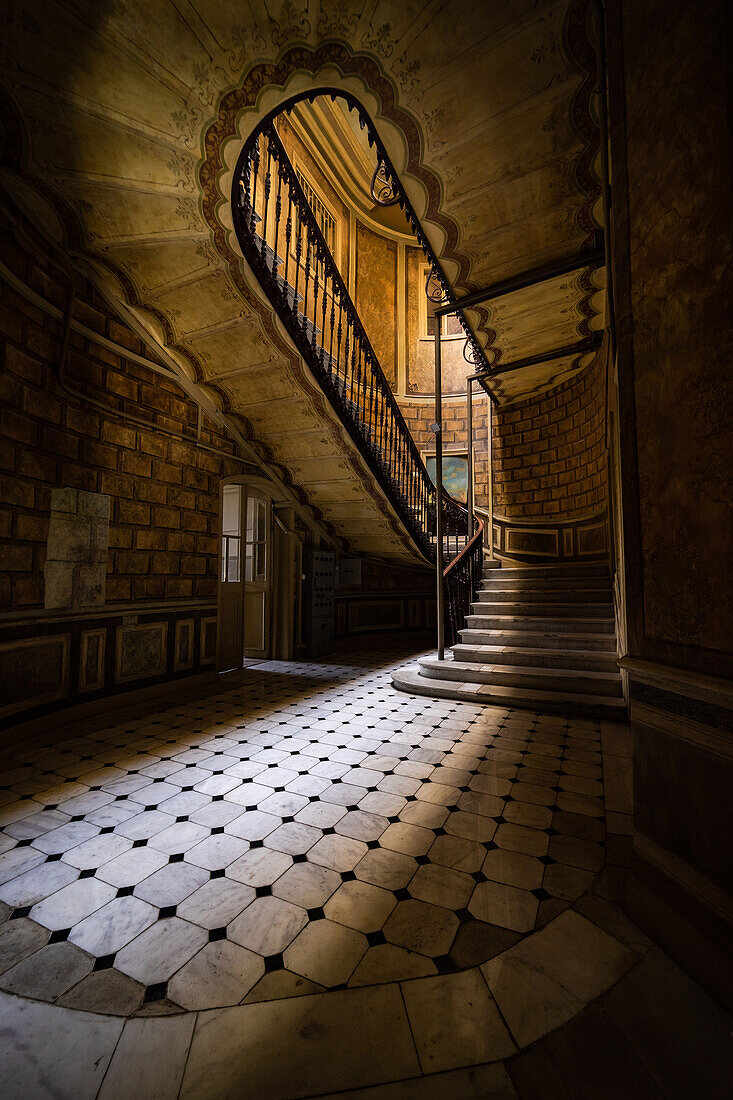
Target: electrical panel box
319,607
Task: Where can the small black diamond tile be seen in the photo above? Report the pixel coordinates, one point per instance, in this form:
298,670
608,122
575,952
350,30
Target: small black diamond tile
155,992
167,911
176,857
125,891
374,939
263,891
329,832
218,873
88,872
479,876
24,843
540,894
104,962
60,935
489,845
348,876
509,798
287,820
183,817
217,829
316,914
402,894
217,934
454,809
547,860
257,844
274,962
463,915
77,817
218,798
373,844
500,820
444,964
54,858
22,911
139,843
440,831
106,829
300,858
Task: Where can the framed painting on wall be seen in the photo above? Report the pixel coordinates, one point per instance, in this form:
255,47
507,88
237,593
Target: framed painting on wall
455,473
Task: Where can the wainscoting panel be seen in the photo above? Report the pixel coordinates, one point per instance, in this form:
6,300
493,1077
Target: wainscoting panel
544,540
52,659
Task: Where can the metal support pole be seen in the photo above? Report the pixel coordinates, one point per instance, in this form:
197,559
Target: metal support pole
469,433
490,441
438,430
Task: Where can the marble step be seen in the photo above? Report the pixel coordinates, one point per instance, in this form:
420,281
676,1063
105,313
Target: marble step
536,658
542,623
544,702
547,639
567,588
582,609
547,572
571,681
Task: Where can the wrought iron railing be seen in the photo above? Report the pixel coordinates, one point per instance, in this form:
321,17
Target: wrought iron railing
285,246
461,578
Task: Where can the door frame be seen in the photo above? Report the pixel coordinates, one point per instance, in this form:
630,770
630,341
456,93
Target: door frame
281,518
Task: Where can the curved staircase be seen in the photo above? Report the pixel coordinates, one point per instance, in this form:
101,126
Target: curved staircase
539,638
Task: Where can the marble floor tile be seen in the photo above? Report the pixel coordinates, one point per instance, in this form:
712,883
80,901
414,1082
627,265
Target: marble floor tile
113,926
386,962
252,825
294,838
171,884
360,905
268,925
17,861
538,984
307,885
381,867
179,836
72,903
411,840
216,903
37,884
19,939
216,851
97,851
340,853
149,1059
506,906
455,1021
457,852
158,952
35,1041
259,867
222,973
422,927
326,952
513,869
48,973
314,1045
105,991
442,886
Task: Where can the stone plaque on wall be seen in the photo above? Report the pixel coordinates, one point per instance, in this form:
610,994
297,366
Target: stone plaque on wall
141,651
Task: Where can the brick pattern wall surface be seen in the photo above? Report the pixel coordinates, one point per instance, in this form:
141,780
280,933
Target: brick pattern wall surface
162,475
419,417
550,451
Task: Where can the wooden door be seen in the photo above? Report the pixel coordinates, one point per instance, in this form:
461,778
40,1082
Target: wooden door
257,570
230,637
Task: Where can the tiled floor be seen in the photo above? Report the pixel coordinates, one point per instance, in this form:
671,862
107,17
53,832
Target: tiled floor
312,845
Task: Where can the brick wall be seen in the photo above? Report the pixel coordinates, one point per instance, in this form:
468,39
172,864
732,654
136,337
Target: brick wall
419,417
163,482
550,453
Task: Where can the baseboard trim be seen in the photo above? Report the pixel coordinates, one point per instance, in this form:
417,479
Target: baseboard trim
37,729
671,913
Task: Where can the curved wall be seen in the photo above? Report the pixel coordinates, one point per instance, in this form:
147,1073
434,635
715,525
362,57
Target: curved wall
550,471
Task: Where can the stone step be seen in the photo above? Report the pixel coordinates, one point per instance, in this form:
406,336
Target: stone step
499,583
574,682
541,624
543,702
536,658
582,610
547,639
571,569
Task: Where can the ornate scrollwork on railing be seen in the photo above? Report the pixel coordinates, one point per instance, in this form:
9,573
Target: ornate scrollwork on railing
435,287
470,352
382,188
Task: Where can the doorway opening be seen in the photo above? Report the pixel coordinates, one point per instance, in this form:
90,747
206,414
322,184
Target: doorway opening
259,577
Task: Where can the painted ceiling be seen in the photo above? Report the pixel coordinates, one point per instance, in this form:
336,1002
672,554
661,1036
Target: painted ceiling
122,122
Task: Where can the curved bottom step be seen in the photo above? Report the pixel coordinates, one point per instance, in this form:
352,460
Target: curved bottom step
546,702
